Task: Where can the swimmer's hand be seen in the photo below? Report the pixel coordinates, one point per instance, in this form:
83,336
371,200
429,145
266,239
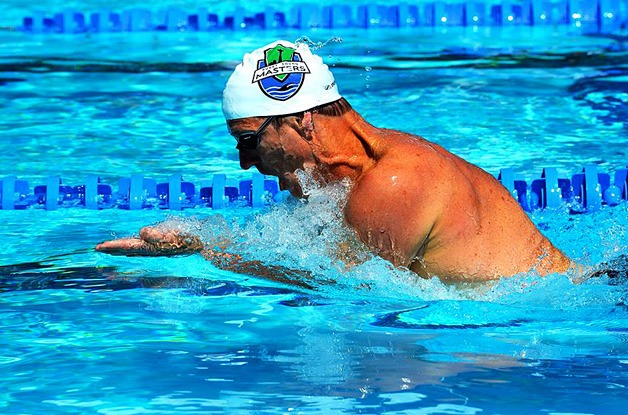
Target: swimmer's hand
165,241
153,241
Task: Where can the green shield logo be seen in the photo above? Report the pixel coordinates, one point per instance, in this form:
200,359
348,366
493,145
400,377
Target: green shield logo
279,54
280,72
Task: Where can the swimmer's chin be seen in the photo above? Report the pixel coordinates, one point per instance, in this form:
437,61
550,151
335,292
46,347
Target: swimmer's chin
290,185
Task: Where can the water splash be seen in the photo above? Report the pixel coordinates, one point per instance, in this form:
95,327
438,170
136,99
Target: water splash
306,234
314,46
311,235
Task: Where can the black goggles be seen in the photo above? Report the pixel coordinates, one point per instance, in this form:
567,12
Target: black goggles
249,140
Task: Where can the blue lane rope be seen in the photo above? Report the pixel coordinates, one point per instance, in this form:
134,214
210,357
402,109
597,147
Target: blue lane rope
588,190
138,192
587,15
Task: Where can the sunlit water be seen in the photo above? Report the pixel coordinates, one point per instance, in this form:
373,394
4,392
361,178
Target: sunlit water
88,333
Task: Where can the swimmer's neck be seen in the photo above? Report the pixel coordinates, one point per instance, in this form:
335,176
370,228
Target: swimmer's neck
346,146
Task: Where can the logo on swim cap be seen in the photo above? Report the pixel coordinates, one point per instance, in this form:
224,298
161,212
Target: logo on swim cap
280,74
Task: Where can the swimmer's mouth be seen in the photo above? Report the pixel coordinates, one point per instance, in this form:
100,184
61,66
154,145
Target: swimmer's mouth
264,171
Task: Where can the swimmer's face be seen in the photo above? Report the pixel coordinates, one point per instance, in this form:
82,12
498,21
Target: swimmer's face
279,152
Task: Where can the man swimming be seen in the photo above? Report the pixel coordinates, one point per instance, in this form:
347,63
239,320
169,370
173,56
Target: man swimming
411,201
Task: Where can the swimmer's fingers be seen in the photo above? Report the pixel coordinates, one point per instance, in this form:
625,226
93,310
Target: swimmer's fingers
124,246
141,247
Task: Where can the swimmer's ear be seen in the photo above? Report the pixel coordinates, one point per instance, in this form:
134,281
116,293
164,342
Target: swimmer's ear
307,125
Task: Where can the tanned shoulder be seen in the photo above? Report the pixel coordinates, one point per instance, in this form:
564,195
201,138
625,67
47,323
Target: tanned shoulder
393,207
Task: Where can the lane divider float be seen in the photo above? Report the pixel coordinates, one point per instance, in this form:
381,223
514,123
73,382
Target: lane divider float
139,192
601,16
584,191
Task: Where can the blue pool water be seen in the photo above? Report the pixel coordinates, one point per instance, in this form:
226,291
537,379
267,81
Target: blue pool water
88,333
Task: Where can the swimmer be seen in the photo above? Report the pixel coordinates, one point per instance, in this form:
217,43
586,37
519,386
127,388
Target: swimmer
411,201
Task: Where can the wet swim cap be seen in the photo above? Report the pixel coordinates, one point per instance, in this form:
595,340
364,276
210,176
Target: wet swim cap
279,79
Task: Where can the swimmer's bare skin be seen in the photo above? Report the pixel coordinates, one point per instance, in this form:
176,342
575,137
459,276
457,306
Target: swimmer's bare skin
412,202
155,241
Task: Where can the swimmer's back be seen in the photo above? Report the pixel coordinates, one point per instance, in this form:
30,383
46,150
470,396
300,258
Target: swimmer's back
477,230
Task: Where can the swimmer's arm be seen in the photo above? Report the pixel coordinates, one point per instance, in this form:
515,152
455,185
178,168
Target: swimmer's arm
154,241
235,263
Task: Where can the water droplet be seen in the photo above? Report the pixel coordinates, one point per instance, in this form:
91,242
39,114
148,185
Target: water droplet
368,68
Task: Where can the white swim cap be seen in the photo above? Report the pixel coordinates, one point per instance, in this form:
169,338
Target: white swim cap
279,79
